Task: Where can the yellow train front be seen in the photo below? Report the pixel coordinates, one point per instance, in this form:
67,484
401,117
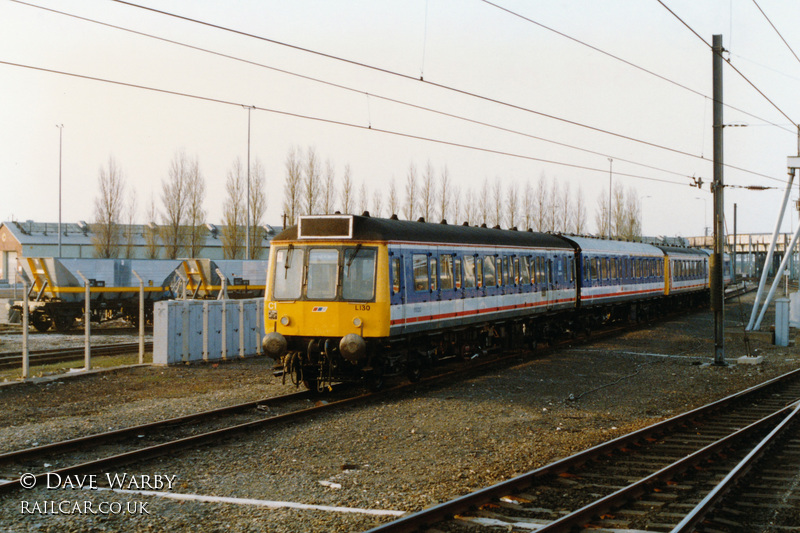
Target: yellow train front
327,302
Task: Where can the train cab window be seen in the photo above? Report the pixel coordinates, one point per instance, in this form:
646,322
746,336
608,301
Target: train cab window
395,275
489,271
446,280
323,267
469,272
525,271
420,264
434,280
358,275
457,272
288,273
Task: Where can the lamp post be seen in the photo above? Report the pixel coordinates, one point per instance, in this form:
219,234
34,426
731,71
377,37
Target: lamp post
610,166
247,230
60,135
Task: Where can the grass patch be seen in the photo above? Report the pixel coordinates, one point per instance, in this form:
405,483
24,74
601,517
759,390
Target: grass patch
100,361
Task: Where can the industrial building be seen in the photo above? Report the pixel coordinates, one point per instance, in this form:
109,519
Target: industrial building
20,239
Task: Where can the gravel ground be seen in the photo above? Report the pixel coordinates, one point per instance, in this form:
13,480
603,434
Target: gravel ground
402,453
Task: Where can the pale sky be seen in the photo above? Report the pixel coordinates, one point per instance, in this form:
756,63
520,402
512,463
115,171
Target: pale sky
524,73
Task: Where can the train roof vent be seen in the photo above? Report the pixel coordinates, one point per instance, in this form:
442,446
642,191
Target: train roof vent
421,219
394,217
325,227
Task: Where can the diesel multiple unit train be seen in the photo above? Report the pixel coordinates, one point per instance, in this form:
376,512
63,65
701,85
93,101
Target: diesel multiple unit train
359,298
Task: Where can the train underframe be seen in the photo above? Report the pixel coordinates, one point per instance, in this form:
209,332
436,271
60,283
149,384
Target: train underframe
317,363
63,316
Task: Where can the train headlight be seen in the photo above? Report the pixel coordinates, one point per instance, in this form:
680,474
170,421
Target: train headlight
353,347
285,320
357,322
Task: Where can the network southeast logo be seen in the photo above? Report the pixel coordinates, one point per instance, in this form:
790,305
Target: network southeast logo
318,309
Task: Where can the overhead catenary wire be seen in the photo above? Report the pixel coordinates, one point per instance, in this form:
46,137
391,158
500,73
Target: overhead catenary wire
625,61
354,90
776,31
423,81
728,61
397,101
335,122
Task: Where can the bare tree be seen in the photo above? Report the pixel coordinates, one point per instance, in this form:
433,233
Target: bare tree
455,210
328,188
151,231
347,191
444,194
311,182
497,203
527,206
541,204
130,220
411,193
292,186
233,213
258,206
377,203
512,204
175,202
579,214
484,201
108,211
363,198
469,208
566,208
427,192
553,219
196,215
394,201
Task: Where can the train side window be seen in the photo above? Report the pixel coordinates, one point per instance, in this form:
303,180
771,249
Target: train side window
469,272
614,261
434,280
420,262
457,272
395,275
479,272
525,271
489,271
592,269
446,272
604,268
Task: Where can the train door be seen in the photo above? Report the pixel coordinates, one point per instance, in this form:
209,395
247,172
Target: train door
397,290
550,292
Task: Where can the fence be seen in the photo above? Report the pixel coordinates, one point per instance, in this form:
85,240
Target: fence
207,330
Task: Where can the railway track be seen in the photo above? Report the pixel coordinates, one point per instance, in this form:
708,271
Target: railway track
677,475
61,355
100,452
89,454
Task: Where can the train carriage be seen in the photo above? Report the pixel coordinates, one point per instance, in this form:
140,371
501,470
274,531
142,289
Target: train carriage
349,296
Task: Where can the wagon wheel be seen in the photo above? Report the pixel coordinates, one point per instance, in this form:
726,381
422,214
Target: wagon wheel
63,322
41,320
